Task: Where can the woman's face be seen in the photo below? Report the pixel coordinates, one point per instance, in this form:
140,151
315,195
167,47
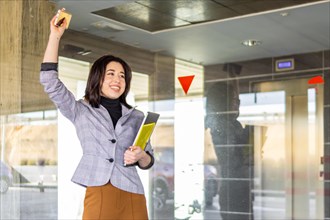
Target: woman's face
114,83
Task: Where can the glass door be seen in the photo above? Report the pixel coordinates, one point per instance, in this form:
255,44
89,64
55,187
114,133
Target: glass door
288,148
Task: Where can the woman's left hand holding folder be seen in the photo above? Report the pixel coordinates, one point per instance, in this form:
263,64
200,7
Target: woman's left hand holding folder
135,154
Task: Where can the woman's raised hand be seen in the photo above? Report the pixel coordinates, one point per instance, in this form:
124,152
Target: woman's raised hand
57,30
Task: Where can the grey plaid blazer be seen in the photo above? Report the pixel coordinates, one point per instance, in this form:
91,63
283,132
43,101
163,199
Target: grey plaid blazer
103,146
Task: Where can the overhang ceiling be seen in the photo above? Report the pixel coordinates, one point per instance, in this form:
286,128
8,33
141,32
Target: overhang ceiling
207,31
153,16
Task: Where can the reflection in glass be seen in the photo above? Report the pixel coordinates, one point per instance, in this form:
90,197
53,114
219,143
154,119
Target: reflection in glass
29,165
233,145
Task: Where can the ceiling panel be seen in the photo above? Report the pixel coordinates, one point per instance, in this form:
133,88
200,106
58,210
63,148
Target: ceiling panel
156,15
140,16
187,31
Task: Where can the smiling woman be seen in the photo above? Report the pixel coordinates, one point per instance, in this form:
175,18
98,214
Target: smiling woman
106,126
110,77
114,83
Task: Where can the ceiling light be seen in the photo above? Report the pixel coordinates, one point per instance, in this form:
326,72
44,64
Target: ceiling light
84,52
251,43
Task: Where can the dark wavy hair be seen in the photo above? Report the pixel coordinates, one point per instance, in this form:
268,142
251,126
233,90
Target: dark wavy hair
96,78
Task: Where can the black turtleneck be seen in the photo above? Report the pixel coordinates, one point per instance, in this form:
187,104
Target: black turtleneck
114,108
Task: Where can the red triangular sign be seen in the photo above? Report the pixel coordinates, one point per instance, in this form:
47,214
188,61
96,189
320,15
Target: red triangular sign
185,82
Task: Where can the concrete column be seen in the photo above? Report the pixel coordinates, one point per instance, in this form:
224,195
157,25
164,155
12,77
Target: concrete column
162,80
24,33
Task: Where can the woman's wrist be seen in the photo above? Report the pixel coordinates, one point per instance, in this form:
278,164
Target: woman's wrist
55,37
146,161
145,158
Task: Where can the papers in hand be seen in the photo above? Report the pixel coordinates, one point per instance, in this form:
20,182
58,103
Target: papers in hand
60,16
146,129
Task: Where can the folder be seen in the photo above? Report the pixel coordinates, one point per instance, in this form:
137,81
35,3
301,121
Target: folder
145,131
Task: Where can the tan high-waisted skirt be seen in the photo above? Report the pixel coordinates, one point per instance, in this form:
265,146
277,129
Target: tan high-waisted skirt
108,202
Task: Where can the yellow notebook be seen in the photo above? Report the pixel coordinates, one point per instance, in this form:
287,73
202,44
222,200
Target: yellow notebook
147,127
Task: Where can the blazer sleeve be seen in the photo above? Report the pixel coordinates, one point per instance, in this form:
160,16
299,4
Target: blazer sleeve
150,152
63,99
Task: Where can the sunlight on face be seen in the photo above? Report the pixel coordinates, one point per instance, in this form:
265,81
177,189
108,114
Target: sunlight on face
114,81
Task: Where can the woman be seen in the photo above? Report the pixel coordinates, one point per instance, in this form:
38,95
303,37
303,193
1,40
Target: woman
106,126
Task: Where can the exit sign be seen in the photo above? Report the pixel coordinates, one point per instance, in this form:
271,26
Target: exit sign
284,65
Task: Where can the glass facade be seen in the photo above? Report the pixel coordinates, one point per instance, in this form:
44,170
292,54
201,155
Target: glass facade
248,141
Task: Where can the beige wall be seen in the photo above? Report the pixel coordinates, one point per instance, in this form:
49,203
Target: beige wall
28,144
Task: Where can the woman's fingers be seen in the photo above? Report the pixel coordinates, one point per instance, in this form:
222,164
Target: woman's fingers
132,154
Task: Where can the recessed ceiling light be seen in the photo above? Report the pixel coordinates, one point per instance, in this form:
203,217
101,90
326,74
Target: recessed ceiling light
251,43
84,52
